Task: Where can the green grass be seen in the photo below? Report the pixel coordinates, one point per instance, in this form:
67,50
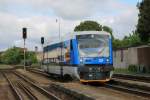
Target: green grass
125,71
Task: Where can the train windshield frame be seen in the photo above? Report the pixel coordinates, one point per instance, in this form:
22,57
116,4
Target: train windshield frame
93,45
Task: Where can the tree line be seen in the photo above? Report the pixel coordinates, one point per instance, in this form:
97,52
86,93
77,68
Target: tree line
139,36
15,55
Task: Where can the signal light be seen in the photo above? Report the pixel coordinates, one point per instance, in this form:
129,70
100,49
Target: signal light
42,40
24,33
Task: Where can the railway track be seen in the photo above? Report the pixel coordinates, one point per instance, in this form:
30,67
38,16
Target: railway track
133,77
145,92
16,92
139,92
25,89
39,72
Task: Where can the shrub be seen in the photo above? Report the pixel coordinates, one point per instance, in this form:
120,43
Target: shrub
133,68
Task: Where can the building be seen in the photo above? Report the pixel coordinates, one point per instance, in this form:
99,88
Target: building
139,55
39,56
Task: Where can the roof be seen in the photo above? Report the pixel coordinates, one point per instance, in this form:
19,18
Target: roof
91,32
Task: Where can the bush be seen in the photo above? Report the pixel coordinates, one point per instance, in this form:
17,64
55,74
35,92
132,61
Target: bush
133,68
16,55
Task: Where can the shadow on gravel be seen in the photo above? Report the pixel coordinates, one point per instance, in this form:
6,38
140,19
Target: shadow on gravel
111,82
96,84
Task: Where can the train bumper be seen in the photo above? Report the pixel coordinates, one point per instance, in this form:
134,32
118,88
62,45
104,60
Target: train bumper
93,74
88,81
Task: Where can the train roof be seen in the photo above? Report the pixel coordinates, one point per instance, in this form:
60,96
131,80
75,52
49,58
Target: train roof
91,32
72,35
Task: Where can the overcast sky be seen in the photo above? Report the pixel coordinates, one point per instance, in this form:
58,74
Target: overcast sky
39,16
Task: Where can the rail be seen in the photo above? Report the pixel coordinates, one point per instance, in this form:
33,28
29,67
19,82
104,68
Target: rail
48,94
17,95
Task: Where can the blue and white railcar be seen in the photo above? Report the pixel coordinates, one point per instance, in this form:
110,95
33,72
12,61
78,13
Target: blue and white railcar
85,55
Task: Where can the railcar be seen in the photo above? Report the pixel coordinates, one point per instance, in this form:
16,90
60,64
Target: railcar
86,56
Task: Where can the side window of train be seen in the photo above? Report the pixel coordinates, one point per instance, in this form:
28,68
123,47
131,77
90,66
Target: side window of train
71,45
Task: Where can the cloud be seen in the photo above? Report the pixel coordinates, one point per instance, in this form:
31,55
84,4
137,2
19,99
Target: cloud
122,23
37,26
39,16
67,9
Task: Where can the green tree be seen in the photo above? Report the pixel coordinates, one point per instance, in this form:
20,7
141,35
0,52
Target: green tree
143,27
88,26
93,26
109,30
12,56
0,58
116,43
131,40
32,57
134,39
15,56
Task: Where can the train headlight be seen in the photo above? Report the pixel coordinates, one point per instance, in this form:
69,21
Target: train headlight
107,60
90,75
81,60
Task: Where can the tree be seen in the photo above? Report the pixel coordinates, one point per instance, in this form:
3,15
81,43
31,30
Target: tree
131,40
116,43
143,27
32,57
0,58
15,56
12,56
109,30
88,26
93,26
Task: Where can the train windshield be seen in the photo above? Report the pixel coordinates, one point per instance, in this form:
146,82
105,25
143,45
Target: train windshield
93,45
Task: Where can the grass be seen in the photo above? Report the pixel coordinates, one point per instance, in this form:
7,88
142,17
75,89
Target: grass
123,70
126,71
120,70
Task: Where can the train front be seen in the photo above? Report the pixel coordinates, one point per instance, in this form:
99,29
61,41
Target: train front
95,55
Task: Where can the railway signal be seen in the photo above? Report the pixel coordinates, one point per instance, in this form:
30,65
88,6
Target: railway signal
24,35
42,42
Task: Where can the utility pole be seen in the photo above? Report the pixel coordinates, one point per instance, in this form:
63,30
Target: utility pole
61,56
24,38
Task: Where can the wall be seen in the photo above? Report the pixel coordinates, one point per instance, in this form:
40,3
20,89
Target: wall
122,58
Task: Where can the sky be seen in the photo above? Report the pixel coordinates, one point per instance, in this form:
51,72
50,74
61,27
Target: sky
39,17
